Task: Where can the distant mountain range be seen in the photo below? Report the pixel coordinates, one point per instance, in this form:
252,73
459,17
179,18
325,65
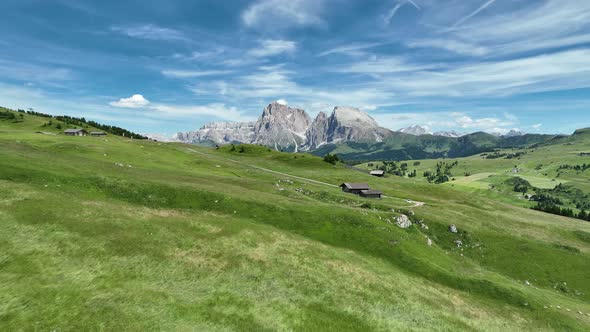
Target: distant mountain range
418,130
353,135
291,129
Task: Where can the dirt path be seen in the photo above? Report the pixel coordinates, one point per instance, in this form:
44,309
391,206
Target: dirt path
265,169
414,203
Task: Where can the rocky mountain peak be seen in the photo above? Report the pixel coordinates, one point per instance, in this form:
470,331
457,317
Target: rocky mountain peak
291,129
282,127
349,116
416,130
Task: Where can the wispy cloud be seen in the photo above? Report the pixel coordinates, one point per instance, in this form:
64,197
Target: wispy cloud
540,26
454,46
216,110
381,65
45,74
551,72
351,49
177,73
272,47
272,14
474,13
398,5
150,32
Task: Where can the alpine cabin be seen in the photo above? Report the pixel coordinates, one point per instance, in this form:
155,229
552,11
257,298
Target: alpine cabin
354,188
75,132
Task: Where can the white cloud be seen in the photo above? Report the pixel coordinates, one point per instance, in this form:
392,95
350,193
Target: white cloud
551,72
399,4
539,25
271,47
135,101
353,50
34,73
489,123
458,121
273,14
282,102
217,110
450,45
380,65
193,73
537,126
150,32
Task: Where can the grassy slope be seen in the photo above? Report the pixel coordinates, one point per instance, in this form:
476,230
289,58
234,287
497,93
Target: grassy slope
109,233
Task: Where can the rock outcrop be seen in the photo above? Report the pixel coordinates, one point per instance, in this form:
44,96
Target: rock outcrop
453,229
403,221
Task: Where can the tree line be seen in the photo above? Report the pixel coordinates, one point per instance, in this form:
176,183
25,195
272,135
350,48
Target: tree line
81,122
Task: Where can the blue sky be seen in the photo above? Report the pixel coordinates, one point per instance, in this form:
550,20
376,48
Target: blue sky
167,66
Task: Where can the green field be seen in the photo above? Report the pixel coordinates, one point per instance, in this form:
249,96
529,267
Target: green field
118,234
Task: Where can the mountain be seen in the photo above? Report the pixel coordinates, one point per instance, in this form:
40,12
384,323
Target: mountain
353,135
317,133
448,134
415,130
350,124
219,132
160,137
291,129
511,133
281,127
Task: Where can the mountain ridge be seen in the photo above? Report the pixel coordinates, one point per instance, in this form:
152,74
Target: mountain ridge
291,129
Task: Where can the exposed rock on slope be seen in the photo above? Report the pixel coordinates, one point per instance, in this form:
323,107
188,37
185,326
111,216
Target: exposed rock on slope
415,130
453,134
281,127
220,132
317,133
350,124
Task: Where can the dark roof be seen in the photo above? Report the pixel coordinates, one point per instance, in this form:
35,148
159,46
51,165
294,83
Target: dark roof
356,186
73,130
371,192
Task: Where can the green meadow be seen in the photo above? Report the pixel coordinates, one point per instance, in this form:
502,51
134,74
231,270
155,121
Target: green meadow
109,233
539,165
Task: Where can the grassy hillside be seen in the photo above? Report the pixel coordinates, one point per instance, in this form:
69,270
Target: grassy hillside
401,146
118,234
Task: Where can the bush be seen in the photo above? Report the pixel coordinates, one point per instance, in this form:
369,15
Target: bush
331,158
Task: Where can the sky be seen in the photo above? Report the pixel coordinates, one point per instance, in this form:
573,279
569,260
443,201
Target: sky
169,66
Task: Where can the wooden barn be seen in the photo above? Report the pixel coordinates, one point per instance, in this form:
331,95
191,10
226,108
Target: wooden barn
371,193
98,133
75,132
354,188
377,172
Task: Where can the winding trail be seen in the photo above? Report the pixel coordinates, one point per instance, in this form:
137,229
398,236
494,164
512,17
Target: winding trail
264,169
409,201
